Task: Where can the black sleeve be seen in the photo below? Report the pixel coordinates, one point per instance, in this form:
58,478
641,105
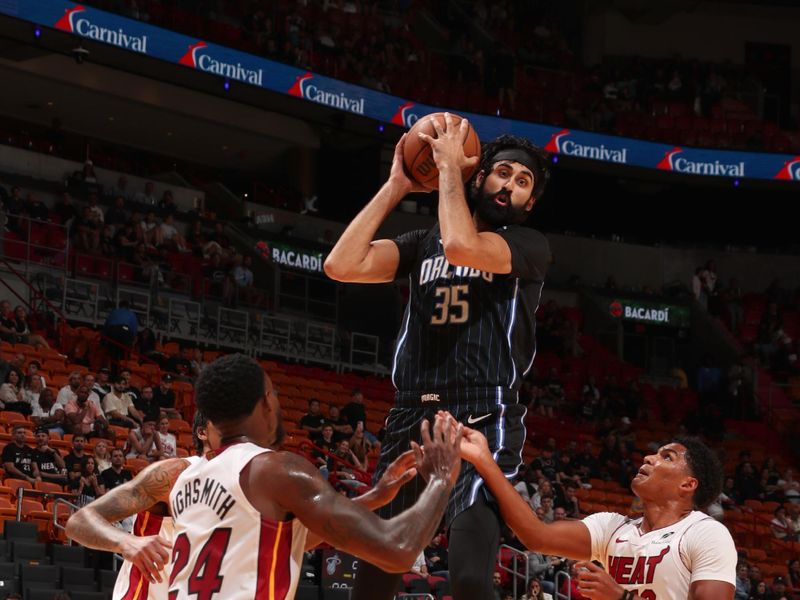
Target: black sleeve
530,252
408,245
8,454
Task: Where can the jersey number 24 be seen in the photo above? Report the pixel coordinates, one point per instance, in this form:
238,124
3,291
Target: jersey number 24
204,580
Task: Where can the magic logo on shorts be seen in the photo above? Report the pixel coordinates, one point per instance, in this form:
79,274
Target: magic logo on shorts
560,143
790,170
674,161
405,116
201,57
306,86
76,20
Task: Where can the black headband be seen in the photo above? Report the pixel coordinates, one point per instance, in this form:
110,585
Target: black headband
517,155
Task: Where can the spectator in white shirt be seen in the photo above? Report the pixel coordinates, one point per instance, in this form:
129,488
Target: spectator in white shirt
168,443
69,392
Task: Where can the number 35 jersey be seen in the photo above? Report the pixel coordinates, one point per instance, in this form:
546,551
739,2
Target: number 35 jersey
223,548
467,332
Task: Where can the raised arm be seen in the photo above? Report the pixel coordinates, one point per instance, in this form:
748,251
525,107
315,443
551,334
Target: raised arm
570,539
92,525
356,257
392,544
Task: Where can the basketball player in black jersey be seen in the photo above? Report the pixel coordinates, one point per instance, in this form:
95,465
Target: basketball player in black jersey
467,338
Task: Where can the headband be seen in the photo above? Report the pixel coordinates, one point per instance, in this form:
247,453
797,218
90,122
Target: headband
517,155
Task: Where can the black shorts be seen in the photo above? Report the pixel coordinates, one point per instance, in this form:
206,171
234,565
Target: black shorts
502,424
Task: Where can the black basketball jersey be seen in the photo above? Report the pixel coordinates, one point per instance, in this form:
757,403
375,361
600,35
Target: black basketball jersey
466,334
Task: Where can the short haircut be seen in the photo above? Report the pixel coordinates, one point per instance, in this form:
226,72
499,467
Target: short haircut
229,388
120,450
539,157
705,467
17,428
198,422
310,400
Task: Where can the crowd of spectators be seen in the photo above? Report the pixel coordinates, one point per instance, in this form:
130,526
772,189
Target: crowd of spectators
522,64
140,230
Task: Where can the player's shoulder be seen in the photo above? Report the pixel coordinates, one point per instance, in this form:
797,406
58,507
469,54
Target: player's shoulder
608,521
705,529
525,234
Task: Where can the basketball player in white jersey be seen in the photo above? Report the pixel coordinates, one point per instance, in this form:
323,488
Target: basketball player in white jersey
237,514
131,583
673,552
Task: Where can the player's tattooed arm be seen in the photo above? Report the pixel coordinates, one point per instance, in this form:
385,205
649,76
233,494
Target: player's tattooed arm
92,525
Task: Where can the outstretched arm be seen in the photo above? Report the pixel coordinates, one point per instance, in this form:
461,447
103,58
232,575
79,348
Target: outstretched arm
570,539
356,257
92,525
391,545
397,474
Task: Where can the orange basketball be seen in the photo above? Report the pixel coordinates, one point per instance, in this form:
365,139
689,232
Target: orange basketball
418,156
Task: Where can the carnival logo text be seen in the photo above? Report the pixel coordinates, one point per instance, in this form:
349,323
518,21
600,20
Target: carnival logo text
76,21
672,161
198,56
304,87
560,144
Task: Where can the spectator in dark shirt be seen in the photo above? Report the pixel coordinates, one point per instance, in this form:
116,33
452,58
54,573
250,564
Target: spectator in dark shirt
148,405
35,208
313,420
180,365
436,555
126,240
51,466
117,216
341,427
86,231
18,459
166,397
86,482
116,475
354,410
102,386
65,209
120,327
545,464
77,455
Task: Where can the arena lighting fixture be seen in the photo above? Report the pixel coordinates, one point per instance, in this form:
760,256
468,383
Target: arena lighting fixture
37,32
736,183
554,159
226,85
380,128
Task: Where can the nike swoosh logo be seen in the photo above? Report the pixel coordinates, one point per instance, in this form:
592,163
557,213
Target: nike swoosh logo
472,420
619,541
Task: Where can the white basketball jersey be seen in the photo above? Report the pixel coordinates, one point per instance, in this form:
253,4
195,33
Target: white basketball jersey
224,549
130,584
663,564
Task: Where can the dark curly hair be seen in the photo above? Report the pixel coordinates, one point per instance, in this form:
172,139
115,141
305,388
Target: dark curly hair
540,157
229,388
705,467
198,422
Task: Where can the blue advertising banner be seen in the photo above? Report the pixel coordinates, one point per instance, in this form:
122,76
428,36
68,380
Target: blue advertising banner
194,53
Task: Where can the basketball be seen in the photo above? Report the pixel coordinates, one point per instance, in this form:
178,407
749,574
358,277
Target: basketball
418,155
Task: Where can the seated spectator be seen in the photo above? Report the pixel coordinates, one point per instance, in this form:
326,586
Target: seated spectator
90,382
47,413
742,583
242,277
326,442
547,508
68,392
65,210
48,460
779,590
553,393
147,404
86,231
197,363
76,455
170,236
790,486
781,526
18,459
169,444
794,573
144,442
166,397
180,365
84,418
151,232
95,211
23,330
544,466
354,412
116,475
625,434
86,483
359,444
35,208
313,420
126,241
148,196
102,385
166,205
343,469
761,592
117,216
571,503
436,556
119,408
11,397
35,372
102,457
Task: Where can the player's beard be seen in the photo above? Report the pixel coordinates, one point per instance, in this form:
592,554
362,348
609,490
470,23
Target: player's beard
490,212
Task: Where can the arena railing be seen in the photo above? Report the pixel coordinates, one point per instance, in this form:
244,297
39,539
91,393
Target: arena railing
517,556
563,576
